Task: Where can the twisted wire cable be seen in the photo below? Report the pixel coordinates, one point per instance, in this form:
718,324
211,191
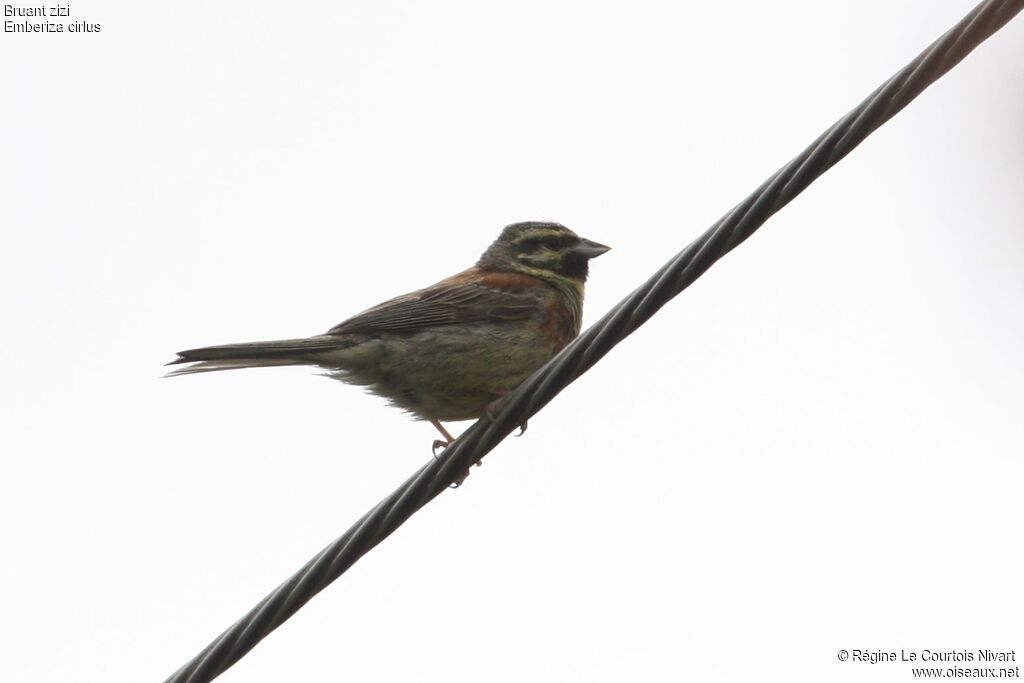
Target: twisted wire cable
540,388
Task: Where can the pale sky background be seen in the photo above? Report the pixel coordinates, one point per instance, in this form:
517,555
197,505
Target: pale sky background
817,447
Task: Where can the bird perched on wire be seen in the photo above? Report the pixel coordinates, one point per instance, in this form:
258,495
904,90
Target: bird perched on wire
450,351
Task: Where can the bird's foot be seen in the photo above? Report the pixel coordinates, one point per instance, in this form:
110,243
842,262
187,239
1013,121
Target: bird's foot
462,477
491,411
444,443
438,443
441,443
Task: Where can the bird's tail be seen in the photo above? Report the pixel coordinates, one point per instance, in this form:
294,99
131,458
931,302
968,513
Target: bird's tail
254,354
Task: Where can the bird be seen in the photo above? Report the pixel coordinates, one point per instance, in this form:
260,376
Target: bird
453,350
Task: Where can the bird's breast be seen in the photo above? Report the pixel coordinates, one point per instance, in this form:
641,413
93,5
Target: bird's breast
561,320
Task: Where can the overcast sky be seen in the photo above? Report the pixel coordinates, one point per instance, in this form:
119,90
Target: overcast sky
816,447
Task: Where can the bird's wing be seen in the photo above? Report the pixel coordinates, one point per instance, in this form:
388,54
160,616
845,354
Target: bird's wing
469,297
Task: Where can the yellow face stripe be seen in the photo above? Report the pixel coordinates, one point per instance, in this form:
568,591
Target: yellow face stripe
540,234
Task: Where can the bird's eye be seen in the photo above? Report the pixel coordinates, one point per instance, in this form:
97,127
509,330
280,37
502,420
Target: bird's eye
552,243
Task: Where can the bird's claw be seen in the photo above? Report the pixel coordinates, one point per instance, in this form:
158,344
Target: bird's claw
462,477
491,411
444,443
440,443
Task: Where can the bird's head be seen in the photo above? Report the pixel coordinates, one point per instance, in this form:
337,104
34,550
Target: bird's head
549,251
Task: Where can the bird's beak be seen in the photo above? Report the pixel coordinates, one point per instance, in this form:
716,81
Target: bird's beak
589,250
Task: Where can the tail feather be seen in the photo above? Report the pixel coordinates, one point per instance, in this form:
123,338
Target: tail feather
215,365
253,354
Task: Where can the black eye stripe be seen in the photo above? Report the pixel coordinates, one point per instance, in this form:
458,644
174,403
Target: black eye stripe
553,242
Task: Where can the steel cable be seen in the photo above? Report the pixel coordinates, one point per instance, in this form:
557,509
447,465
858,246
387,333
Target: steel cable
533,394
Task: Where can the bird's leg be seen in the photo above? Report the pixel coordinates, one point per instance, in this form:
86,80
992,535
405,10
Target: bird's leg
448,438
444,444
491,411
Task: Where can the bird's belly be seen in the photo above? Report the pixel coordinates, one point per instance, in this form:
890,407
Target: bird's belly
447,373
